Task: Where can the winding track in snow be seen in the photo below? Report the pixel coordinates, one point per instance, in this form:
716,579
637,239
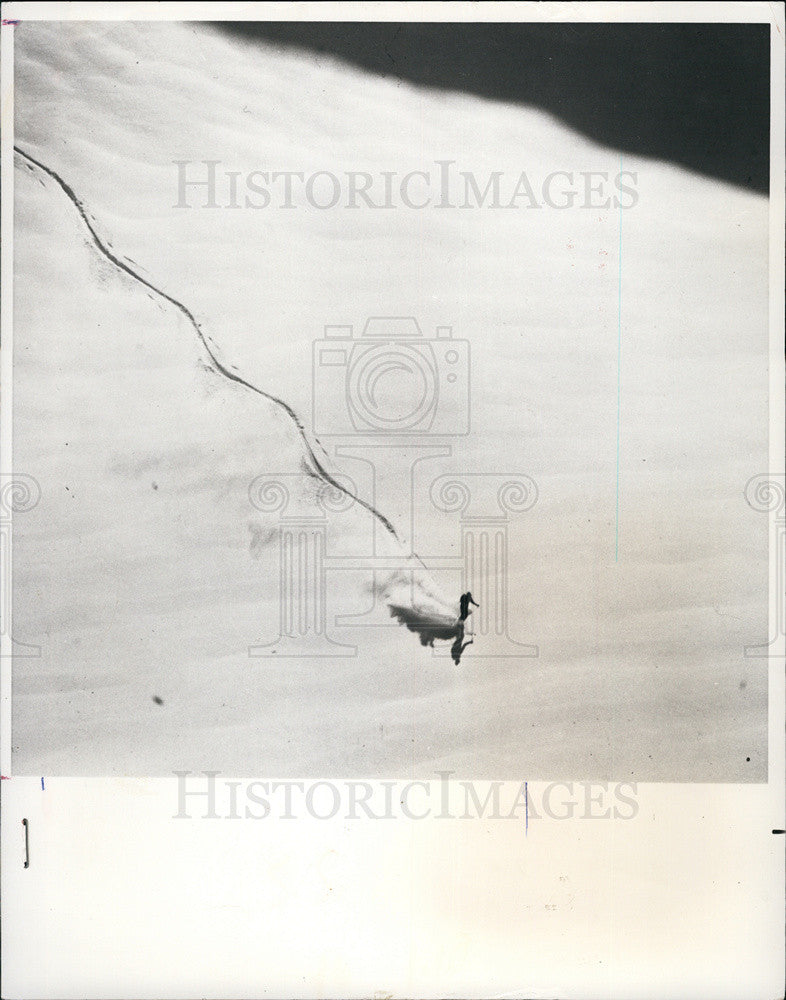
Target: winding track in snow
318,468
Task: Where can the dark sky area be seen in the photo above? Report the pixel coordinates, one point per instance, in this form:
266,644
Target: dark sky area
694,94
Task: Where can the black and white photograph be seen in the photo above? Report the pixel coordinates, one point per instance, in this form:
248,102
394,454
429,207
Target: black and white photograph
390,398
392,430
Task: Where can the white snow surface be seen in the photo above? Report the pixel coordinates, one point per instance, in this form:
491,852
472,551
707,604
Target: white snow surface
145,572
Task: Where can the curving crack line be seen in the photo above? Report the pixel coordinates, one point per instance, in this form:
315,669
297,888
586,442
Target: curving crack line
104,249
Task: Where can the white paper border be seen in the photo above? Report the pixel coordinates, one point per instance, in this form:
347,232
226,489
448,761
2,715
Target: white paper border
119,901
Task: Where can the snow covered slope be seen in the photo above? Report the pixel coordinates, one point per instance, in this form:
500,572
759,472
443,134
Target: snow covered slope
144,571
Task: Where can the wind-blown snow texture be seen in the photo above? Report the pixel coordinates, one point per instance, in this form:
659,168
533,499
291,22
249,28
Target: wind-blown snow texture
144,571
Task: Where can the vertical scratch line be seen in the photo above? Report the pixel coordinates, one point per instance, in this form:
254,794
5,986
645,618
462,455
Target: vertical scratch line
526,810
619,368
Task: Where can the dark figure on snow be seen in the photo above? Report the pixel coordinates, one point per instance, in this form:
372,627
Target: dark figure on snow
464,603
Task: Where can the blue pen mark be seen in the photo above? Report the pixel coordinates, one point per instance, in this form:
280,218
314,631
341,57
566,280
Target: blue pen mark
619,356
42,785
526,810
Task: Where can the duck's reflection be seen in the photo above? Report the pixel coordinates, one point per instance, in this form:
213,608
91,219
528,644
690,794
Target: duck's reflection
459,645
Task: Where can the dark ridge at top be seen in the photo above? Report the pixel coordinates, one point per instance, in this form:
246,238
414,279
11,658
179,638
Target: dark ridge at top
693,94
